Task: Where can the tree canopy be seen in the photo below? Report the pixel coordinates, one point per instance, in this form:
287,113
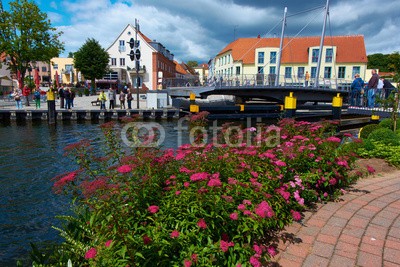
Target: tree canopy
192,63
92,60
385,62
26,35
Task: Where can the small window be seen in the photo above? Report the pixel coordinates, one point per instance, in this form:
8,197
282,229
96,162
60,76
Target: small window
313,72
237,70
260,57
122,61
272,70
356,69
260,70
272,57
113,61
315,54
327,72
329,55
288,72
342,72
300,72
55,66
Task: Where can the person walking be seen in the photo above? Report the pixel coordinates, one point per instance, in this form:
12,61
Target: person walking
129,99
72,97
387,87
356,87
17,97
307,79
122,99
112,96
36,96
103,99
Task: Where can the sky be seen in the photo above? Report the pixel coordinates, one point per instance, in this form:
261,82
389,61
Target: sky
199,29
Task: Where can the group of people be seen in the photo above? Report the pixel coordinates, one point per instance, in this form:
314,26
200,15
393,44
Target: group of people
365,94
111,96
18,95
67,97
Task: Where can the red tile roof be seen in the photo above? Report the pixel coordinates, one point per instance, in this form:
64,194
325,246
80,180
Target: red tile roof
179,68
295,50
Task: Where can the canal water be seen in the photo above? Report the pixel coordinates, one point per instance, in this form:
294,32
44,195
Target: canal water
31,154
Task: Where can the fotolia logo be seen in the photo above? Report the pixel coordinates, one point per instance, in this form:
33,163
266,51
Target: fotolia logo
152,134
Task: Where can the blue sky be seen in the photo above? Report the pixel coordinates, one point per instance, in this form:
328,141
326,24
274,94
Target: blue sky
199,29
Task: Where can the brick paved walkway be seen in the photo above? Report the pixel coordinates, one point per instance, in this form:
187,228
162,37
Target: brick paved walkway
361,230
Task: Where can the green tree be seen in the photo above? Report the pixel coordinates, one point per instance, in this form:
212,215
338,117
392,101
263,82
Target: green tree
92,60
192,63
71,54
26,35
378,61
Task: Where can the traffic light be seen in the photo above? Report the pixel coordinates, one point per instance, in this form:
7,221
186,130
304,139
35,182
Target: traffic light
132,43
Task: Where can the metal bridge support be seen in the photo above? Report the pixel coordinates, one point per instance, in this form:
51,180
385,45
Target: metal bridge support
290,105
193,107
337,103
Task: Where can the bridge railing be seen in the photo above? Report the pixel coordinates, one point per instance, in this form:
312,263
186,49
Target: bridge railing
259,80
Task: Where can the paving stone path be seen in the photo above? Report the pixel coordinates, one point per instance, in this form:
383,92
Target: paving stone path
363,229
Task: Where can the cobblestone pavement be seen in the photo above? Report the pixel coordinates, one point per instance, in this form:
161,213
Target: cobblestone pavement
362,229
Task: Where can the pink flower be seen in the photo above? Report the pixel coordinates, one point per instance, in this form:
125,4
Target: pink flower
108,243
333,139
234,216
254,174
70,177
296,215
153,209
255,262
224,245
91,253
174,234
200,176
238,265
298,198
124,169
280,163
232,181
264,210
370,169
202,224
178,192
146,240
257,249
247,202
241,207
186,184
272,251
187,263
194,257
214,183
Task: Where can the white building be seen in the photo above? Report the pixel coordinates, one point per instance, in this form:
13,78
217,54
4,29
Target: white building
156,62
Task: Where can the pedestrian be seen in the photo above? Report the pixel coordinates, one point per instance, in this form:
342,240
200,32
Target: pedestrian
122,99
379,89
112,96
356,88
62,96
387,87
129,99
67,96
372,86
26,93
307,79
103,99
17,97
36,96
72,97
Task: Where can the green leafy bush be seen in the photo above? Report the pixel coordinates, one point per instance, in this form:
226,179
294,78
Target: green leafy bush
367,129
385,136
210,204
388,123
389,153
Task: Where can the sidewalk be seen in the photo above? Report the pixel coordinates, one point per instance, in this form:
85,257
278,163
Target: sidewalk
80,103
362,229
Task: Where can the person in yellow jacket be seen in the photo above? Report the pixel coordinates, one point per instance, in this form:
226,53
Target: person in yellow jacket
103,99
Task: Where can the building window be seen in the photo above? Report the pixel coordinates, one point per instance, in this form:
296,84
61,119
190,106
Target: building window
55,66
356,69
113,61
327,72
300,72
288,72
272,70
44,69
315,53
342,72
121,47
68,68
237,70
260,57
313,72
329,54
260,70
122,61
272,57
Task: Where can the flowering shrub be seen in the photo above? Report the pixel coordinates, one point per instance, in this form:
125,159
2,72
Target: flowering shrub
200,205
